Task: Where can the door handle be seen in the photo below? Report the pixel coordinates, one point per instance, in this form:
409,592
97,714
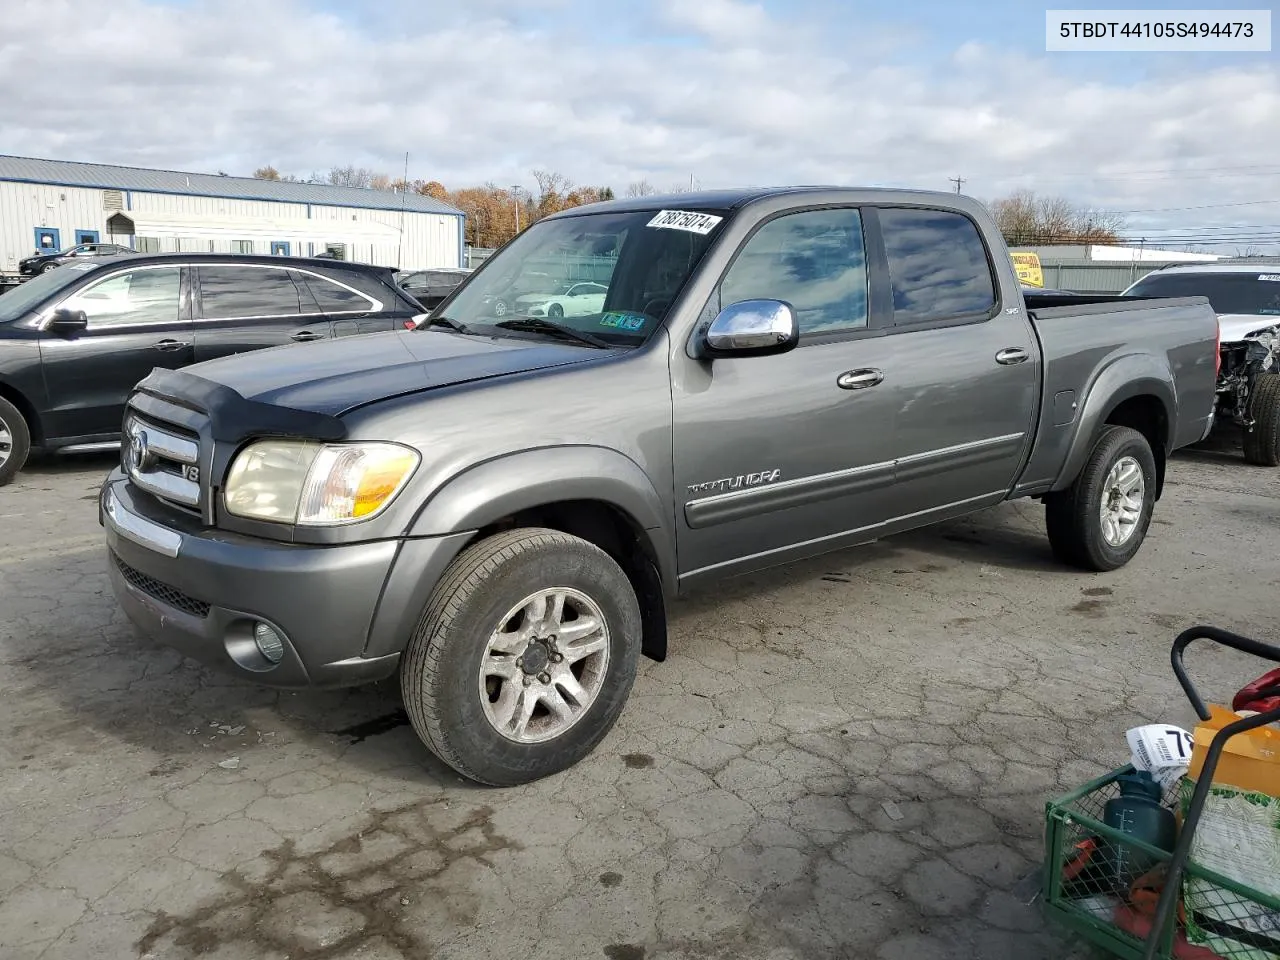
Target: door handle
303,336
859,379
1011,355
167,346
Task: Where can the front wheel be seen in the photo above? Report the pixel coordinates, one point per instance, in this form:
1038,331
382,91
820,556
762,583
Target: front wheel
1262,440
1100,521
555,311
524,657
15,441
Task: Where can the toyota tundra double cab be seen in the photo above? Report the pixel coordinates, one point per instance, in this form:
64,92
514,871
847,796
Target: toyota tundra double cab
498,509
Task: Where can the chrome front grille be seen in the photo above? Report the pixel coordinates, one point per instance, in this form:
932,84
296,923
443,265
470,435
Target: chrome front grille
162,461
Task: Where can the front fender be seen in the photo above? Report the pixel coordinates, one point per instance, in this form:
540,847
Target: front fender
1125,377
489,491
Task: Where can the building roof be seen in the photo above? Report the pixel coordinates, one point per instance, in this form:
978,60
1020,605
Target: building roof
68,173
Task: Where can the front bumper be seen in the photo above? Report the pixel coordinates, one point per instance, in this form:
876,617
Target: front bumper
344,612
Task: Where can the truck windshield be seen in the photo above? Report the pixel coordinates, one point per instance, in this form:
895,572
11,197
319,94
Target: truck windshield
611,275
27,295
1245,293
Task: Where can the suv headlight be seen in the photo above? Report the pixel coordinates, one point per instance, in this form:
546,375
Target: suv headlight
316,484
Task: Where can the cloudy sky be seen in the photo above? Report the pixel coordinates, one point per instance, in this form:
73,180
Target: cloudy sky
610,91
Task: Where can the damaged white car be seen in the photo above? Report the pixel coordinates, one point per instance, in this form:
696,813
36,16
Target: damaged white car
1245,294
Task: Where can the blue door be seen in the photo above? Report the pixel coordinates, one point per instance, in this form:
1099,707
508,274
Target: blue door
48,240
279,248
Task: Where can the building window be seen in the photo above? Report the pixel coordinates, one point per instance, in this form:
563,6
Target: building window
191,245
338,251
147,244
242,246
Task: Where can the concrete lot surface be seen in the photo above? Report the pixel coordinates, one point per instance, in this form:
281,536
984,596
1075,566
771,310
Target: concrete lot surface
844,758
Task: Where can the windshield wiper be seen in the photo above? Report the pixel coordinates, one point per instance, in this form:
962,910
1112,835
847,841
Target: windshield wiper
446,322
539,325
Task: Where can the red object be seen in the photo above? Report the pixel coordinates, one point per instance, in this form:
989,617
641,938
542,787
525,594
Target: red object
409,325
1139,925
1248,698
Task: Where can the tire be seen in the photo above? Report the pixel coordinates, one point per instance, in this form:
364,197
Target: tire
1074,516
1262,442
45,268
500,308
441,669
555,311
15,441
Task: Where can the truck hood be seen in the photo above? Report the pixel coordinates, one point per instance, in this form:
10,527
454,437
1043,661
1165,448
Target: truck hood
1235,327
333,376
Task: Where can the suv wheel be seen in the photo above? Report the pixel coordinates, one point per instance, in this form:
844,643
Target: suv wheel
1262,441
1100,521
15,441
524,656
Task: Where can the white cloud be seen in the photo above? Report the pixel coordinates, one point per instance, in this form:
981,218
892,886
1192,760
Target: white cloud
740,98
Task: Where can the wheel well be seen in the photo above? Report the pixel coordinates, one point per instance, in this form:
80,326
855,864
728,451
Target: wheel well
616,533
24,407
1147,415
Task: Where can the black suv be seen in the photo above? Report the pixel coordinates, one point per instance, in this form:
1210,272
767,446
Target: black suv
432,287
74,341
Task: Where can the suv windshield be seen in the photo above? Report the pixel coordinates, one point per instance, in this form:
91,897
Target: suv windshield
611,275
1247,293
17,302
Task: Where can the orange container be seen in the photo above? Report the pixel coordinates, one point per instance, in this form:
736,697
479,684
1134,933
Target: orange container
1250,761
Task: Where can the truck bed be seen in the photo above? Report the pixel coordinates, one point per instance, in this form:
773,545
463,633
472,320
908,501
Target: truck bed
1088,340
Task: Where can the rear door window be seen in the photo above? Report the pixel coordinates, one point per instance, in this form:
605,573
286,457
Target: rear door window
241,292
938,265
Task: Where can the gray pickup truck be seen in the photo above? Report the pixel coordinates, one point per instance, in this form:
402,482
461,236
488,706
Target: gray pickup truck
499,507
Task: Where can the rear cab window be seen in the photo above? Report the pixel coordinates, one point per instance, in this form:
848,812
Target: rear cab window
938,266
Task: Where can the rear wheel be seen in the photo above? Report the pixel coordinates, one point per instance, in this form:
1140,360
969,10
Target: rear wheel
1100,521
524,656
1262,440
15,441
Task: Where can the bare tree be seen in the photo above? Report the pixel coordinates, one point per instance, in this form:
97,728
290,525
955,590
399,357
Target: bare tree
266,173
350,176
640,188
1025,218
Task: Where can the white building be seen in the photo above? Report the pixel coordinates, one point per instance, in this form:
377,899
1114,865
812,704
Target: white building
1111,253
49,205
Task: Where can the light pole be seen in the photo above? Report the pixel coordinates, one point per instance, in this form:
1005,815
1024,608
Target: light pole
515,198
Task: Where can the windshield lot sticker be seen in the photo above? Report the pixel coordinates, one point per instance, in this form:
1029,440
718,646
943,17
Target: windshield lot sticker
623,321
685,220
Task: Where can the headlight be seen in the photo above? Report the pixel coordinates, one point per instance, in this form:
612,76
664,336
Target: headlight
316,484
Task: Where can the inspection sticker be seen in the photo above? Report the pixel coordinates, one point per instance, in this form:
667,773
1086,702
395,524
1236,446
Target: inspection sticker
686,220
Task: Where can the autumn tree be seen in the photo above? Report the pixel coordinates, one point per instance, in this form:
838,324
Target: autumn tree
266,173
1024,219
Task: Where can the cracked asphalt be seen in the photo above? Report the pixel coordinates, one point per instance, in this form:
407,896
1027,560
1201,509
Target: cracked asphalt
844,758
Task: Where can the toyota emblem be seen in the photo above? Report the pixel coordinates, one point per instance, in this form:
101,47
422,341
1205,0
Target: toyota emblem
139,452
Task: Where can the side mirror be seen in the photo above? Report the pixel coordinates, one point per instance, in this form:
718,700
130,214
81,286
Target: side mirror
68,321
752,328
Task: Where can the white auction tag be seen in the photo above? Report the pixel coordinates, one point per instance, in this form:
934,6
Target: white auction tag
687,220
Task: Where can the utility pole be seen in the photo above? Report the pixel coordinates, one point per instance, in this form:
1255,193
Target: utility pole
957,181
404,198
515,196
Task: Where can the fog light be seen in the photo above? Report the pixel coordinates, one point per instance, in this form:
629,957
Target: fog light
269,643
